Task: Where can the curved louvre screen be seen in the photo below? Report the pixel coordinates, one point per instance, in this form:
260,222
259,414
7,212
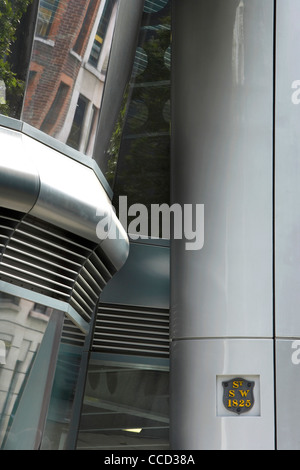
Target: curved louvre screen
71,334
45,259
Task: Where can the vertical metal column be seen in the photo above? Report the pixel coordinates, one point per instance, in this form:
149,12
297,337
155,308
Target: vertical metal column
287,223
222,157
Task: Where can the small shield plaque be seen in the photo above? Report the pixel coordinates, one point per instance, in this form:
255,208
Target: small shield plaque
238,395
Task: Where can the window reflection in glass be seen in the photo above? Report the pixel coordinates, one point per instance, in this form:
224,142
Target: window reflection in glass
68,69
125,407
76,129
46,15
137,160
101,32
22,327
64,387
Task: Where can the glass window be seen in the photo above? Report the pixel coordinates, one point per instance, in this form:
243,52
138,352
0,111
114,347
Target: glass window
46,16
137,160
55,109
82,36
60,410
21,335
92,130
8,298
125,407
40,357
101,32
70,34
42,309
17,21
74,138
153,6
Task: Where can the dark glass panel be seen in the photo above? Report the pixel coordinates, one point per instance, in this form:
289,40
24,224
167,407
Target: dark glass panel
22,329
125,407
57,426
137,159
76,129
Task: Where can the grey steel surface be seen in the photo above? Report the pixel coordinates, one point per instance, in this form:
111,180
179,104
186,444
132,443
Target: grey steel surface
287,224
222,157
222,130
287,394
287,170
198,418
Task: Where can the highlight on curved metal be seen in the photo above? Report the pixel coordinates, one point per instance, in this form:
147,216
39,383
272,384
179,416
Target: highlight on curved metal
50,207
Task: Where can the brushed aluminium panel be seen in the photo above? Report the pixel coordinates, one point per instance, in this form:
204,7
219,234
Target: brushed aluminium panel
222,107
19,178
70,193
287,394
287,175
196,420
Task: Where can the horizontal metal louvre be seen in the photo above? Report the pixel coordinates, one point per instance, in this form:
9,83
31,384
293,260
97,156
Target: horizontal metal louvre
33,269
8,222
51,261
71,334
130,330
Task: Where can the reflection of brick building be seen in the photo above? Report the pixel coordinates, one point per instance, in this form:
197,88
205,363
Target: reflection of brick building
66,34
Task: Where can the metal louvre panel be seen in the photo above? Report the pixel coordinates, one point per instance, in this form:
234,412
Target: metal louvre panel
71,334
51,261
93,276
8,222
132,330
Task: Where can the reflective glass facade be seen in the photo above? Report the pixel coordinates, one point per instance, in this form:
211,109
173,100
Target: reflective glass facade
101,104
139,151
79,371
125,407
68,68
17,26
136,159
61,82
62,402
40,360
22,328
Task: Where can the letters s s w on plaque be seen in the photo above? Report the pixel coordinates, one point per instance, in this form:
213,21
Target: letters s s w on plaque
238,395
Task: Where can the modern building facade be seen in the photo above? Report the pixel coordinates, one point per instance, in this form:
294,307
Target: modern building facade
149,225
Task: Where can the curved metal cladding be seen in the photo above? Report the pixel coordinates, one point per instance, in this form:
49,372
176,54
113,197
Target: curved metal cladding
222,157
20,181
59,234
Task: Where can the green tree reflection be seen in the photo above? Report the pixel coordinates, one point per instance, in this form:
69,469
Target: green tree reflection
140,147
11,87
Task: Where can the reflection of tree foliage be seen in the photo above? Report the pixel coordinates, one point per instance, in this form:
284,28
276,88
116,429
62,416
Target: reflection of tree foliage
115,142
11,13
143,161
